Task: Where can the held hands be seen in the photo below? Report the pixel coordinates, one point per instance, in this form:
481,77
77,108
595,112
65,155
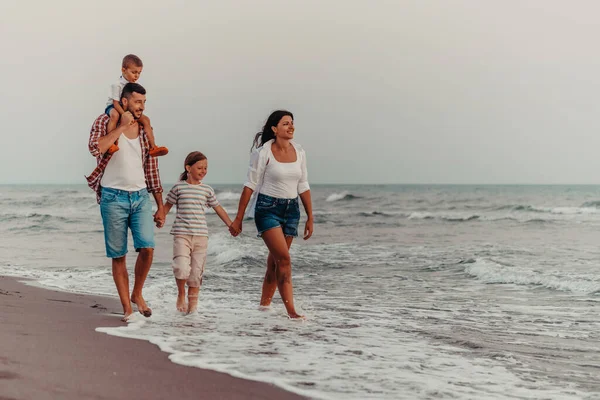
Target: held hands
159,218
236,227
308,229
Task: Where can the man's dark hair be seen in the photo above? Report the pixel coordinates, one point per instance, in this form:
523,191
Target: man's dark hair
132,88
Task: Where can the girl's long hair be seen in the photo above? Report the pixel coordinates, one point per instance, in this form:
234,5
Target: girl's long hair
190,160
267,132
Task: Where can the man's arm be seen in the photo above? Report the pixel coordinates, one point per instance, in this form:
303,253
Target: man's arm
154,185
127,123
98,131
159,216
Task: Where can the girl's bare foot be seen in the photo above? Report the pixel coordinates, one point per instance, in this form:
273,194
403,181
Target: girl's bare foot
181,302
192,303
296,316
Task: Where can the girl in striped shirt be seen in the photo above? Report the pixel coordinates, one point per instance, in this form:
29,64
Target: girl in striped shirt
190,231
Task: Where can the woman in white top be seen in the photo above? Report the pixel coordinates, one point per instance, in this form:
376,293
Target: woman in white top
277,173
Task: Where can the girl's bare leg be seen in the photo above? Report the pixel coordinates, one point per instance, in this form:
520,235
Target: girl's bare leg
181,306
193,293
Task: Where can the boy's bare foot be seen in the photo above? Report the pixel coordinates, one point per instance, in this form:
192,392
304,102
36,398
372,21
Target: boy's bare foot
192,304
159,151
181,302
141,305
112,149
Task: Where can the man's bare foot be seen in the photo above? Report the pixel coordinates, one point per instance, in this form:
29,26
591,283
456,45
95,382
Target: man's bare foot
127,316
141,305
181,302
192,303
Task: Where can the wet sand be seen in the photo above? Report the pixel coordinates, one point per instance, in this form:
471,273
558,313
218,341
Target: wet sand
49,349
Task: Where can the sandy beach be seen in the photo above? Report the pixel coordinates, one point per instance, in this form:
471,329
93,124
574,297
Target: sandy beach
49,349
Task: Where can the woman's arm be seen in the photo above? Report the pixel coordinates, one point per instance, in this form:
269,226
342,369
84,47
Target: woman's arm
236,225
307,203
304,191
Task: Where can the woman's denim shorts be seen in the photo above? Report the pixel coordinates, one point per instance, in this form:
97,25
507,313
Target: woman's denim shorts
271,212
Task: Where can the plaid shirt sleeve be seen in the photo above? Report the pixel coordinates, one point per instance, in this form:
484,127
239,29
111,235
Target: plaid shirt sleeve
98,130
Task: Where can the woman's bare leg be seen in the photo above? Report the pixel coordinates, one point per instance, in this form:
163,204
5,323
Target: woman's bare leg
270,281
278,247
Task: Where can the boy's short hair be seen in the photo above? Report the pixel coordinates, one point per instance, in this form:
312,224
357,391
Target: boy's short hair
132,88
130,59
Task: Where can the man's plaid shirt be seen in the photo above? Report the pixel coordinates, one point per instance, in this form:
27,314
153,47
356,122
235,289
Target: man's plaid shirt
99,129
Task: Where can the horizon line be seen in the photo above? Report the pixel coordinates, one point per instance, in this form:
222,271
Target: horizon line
336,184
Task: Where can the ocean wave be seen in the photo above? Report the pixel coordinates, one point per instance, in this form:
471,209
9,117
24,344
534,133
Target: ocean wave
33,217
345,195
449,218
591,204
228,195
563,210
491,272
375,214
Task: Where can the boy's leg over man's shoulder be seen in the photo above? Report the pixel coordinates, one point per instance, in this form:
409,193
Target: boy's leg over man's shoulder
155,151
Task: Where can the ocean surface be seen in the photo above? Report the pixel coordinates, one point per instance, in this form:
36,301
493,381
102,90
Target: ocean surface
410,291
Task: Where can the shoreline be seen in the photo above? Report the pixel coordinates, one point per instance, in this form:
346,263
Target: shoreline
49,348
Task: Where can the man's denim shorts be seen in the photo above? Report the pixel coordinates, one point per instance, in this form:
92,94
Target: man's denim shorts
122,210
272,212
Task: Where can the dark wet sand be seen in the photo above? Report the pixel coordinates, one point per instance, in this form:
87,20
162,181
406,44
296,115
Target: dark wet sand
49,349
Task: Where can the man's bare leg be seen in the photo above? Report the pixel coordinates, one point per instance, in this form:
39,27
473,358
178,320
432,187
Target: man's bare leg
121,278
142,267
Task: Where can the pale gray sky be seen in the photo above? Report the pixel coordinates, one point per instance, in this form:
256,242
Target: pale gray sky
498,91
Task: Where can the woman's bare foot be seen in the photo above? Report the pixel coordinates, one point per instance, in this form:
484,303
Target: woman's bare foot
296,316
141,305
181,306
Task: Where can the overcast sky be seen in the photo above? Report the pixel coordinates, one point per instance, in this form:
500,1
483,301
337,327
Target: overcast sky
383,91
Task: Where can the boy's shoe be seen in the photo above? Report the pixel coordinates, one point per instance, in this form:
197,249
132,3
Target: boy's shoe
113,149
159,151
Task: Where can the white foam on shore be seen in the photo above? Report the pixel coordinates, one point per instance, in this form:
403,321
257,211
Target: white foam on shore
329,356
